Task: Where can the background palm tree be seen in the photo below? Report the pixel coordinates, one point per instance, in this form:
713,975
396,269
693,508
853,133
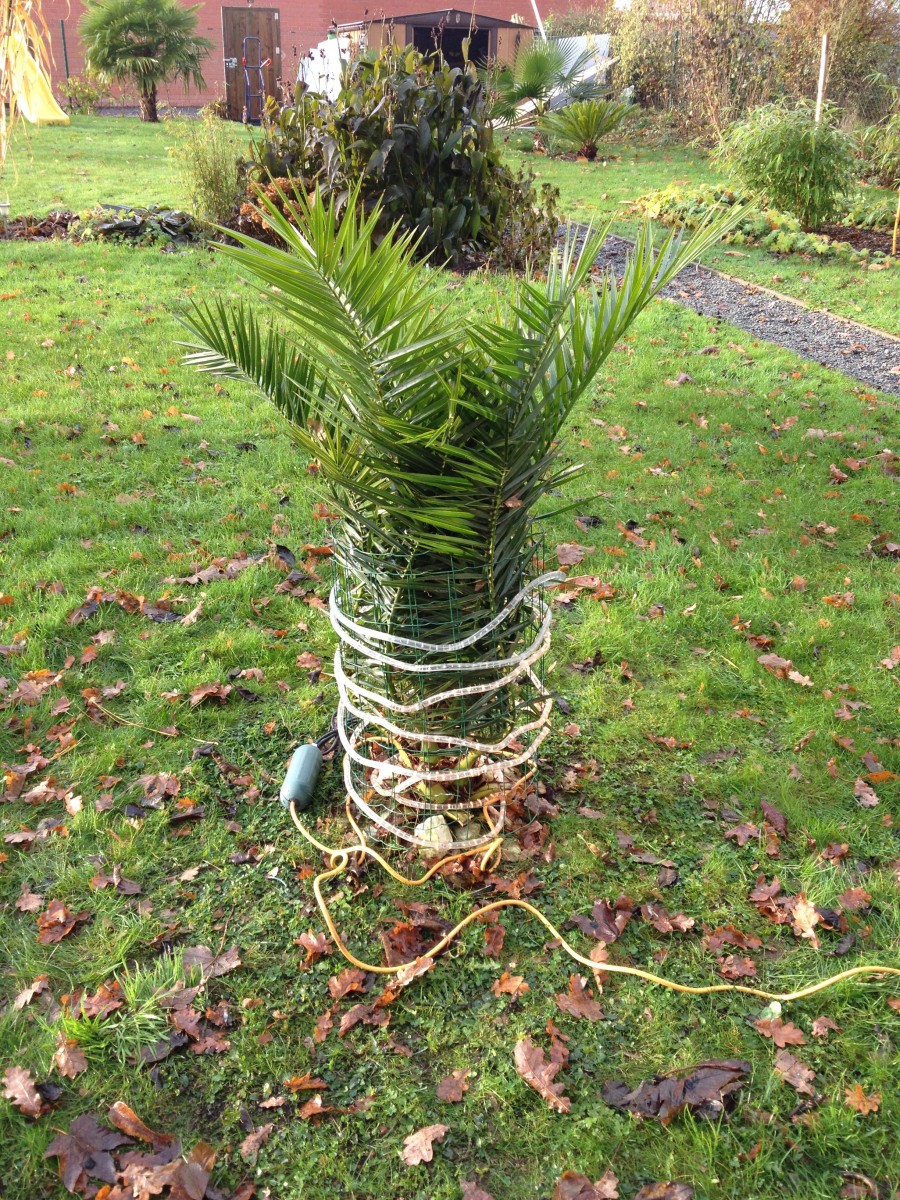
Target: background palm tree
540,70
143,43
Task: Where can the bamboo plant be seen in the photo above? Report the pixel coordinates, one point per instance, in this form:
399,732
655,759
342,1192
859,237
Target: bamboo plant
436,438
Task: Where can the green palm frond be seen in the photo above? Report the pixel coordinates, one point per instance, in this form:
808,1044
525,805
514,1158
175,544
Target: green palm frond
433,437
584,123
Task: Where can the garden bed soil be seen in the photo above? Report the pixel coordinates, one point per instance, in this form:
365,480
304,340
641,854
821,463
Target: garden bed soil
859,238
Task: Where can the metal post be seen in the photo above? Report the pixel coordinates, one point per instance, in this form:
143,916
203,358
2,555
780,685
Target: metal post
823,66
538,19
62,30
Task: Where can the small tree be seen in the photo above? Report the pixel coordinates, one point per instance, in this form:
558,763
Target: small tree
144,43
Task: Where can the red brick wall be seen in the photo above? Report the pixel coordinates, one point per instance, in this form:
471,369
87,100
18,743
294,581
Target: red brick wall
303,23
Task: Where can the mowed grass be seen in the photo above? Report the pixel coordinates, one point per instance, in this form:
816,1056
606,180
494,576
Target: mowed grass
97,160
121,469
119,160
593,192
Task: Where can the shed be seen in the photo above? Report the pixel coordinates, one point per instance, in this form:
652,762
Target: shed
489,38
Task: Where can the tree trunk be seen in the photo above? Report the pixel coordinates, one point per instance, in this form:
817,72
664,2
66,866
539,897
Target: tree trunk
148,103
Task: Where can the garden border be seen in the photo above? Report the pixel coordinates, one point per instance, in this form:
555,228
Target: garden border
827,339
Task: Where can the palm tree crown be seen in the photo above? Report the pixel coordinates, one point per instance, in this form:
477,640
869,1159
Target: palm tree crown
144,43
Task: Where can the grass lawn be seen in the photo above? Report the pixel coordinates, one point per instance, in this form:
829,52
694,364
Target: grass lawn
594,191
96,160
121,470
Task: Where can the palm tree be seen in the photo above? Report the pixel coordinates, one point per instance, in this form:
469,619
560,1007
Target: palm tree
541,69
144,43
437,442
582,124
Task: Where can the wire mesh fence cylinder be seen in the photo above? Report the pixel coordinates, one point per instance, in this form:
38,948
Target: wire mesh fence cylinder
442,701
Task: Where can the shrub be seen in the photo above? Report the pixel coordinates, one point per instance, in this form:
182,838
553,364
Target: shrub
413,134
581,125
781,155
707,61
209,167
84,93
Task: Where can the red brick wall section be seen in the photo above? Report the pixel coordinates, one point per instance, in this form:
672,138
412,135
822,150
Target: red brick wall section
303,23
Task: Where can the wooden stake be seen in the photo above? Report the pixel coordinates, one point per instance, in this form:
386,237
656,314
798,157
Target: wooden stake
823,66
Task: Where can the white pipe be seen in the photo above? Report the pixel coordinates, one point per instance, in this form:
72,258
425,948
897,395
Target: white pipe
537,17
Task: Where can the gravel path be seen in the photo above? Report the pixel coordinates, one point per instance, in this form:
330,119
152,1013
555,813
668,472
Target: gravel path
864,354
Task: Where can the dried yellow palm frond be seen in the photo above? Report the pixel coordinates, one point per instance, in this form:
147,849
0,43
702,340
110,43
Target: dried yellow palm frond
22,31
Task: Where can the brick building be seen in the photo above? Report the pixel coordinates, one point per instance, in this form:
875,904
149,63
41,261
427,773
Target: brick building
287,30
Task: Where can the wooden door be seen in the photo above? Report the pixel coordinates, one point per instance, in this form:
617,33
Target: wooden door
238,24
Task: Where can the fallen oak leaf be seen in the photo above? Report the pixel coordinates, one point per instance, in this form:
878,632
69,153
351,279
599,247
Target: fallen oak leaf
532,1065
316,945
865,794
304,1083
857,1099
211,965
805,917
795,1072
20,1089
419,1146
782,1033
579,1001
509,985
28,994
452,1088
68,1058
822,1026
58,922
254,1141
571,1185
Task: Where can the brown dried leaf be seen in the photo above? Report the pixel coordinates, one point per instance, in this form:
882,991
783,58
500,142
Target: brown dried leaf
68,1058
573,1186
453,1087
704,1088
84,1151
822,1026
20,1089
568,554
211,965
532,1065
579,1001
509,985
28,994
782,1034
857,1099
253,1142
419,1146
304,1083
794,1072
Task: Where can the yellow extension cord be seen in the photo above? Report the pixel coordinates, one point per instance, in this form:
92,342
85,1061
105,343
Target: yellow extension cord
339,860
